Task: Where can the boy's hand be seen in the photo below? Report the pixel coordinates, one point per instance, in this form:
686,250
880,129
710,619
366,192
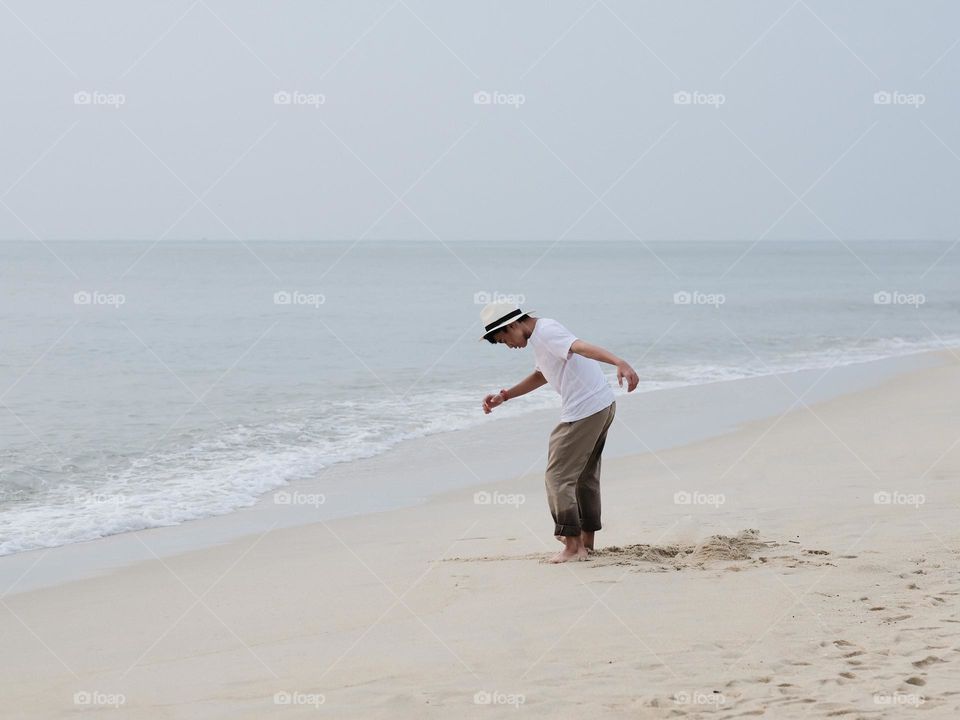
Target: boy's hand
625,372
490,402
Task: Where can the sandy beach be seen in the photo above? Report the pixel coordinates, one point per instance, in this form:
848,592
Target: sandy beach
322,323
802,565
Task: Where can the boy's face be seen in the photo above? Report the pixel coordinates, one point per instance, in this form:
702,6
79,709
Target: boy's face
512,336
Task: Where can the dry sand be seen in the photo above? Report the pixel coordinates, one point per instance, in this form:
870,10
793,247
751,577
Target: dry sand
788,587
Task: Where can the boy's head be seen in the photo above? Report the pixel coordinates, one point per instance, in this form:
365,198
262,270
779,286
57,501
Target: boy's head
506,323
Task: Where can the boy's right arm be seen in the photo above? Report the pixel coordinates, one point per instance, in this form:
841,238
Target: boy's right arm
528,384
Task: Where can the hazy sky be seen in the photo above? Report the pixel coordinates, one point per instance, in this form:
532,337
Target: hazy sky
180,136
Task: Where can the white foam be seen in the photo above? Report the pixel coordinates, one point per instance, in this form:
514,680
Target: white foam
216,475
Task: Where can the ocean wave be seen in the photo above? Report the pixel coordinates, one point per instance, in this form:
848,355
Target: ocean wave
206,476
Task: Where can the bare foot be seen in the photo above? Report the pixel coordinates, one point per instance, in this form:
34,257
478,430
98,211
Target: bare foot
573,550
585,536
567,554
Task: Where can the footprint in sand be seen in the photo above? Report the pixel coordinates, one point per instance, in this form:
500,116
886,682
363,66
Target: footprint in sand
928,660
918,681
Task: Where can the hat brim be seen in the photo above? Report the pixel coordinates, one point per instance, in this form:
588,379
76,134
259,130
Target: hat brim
502,325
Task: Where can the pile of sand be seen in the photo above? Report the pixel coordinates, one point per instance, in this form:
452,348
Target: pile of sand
742,546
716,548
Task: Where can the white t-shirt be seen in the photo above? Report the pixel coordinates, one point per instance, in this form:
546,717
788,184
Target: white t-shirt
583,388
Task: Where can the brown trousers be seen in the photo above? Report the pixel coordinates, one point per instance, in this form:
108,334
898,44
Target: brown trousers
573,472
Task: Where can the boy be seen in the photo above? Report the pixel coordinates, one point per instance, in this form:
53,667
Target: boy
588,407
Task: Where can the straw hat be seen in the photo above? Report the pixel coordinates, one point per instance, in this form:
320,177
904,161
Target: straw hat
498,315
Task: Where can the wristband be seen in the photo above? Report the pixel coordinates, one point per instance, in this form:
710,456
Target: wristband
503,394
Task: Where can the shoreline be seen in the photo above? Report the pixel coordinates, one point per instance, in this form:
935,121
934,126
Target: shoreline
655,421
663,426
819,598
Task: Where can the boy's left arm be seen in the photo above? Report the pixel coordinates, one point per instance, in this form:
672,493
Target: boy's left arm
595,352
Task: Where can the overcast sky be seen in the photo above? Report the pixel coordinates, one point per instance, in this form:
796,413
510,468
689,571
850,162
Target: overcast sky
162,119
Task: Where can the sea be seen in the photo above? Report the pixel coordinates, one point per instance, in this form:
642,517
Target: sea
146,384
